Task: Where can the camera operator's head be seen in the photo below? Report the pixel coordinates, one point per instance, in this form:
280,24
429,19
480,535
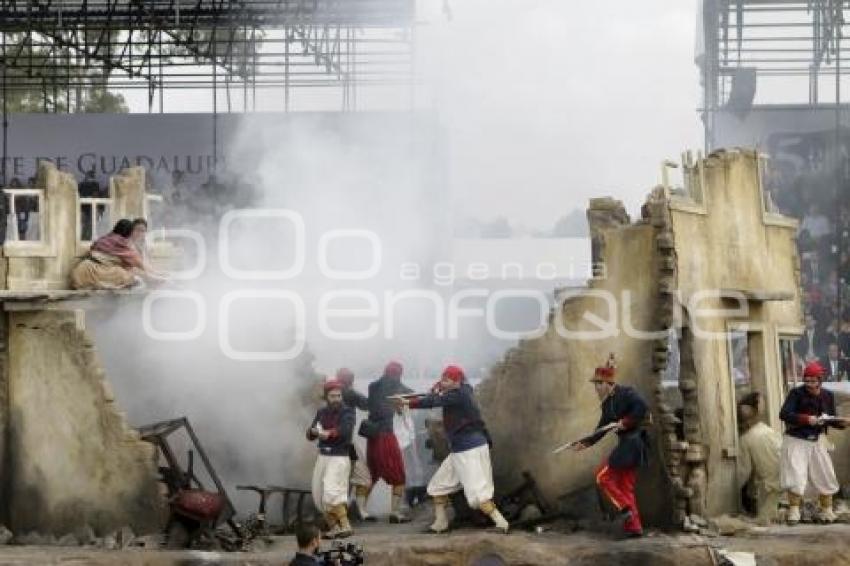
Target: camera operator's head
308,537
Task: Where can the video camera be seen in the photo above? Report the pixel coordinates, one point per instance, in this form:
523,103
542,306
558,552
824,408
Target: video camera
342,554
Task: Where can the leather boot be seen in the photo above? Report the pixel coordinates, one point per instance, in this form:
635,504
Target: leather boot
489,509
825,512
361,494
343,526
794,502
441,517
396,515
333,527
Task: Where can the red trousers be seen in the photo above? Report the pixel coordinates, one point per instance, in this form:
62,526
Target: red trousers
618,485
383,456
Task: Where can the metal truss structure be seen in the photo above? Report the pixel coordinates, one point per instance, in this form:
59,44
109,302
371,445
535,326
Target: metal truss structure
796,46
785,55
57,46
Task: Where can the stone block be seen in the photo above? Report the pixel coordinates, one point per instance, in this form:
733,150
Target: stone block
695,453
106,390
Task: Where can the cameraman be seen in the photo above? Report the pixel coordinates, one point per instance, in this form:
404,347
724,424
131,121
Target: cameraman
309,538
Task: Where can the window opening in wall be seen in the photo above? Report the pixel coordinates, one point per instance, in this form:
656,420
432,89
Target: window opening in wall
24,214
154,212
740,361
791,362
95,218
746,351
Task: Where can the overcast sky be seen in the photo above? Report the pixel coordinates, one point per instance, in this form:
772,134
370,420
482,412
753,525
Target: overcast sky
550,102
547,103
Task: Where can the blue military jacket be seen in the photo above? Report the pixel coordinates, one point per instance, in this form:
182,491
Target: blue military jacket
381,409
461,416
624,404
340,423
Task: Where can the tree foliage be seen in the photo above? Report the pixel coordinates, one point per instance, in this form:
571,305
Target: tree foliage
45,76
48,79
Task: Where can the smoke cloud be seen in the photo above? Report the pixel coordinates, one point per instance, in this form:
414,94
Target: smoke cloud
513,119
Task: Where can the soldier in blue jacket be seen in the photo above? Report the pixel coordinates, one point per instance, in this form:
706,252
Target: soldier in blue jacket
333,427
361,477
383,453
804,455
468,466
616,476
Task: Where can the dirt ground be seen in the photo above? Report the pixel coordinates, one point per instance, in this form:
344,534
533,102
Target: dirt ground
385,545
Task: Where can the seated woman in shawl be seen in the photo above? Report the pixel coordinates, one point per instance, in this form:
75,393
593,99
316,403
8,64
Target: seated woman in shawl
112,262
138,236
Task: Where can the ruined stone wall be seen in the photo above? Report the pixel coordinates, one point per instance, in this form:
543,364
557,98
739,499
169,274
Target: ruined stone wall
841,440
46,264
4,418
127,189
539,397
727,243
715,239
68,457
71,458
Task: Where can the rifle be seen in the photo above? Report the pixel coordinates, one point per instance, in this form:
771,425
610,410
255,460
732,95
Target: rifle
831,420
403,396
603,430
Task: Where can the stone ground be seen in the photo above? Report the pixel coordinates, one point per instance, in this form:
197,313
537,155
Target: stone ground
406,545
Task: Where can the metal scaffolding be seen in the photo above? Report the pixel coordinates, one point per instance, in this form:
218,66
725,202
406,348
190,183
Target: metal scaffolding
782,55
795,46
59,47
65,50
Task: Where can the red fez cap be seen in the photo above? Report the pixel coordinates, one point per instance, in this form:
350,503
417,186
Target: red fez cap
813,369
332,384
607,372
455,373
345,376
393,369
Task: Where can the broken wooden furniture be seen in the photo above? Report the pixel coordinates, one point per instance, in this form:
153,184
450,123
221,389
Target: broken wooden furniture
195,509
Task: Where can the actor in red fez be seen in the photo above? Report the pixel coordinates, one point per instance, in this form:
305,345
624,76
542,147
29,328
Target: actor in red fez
361,477
332,426
468,466
808,411
383,453
617,474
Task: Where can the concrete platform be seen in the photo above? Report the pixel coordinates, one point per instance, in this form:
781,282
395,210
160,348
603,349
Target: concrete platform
63,299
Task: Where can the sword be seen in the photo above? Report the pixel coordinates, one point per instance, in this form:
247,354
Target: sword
603,430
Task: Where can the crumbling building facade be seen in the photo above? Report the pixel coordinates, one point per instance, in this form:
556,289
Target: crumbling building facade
700,301
67,456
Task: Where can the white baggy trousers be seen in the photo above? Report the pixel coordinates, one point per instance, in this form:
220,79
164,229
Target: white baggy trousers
330,481
469,470
805,461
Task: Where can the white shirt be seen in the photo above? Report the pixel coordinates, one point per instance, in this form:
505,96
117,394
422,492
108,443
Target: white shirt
759,451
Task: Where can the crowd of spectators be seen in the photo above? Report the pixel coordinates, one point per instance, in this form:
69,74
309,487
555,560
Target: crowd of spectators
187,201
808,192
